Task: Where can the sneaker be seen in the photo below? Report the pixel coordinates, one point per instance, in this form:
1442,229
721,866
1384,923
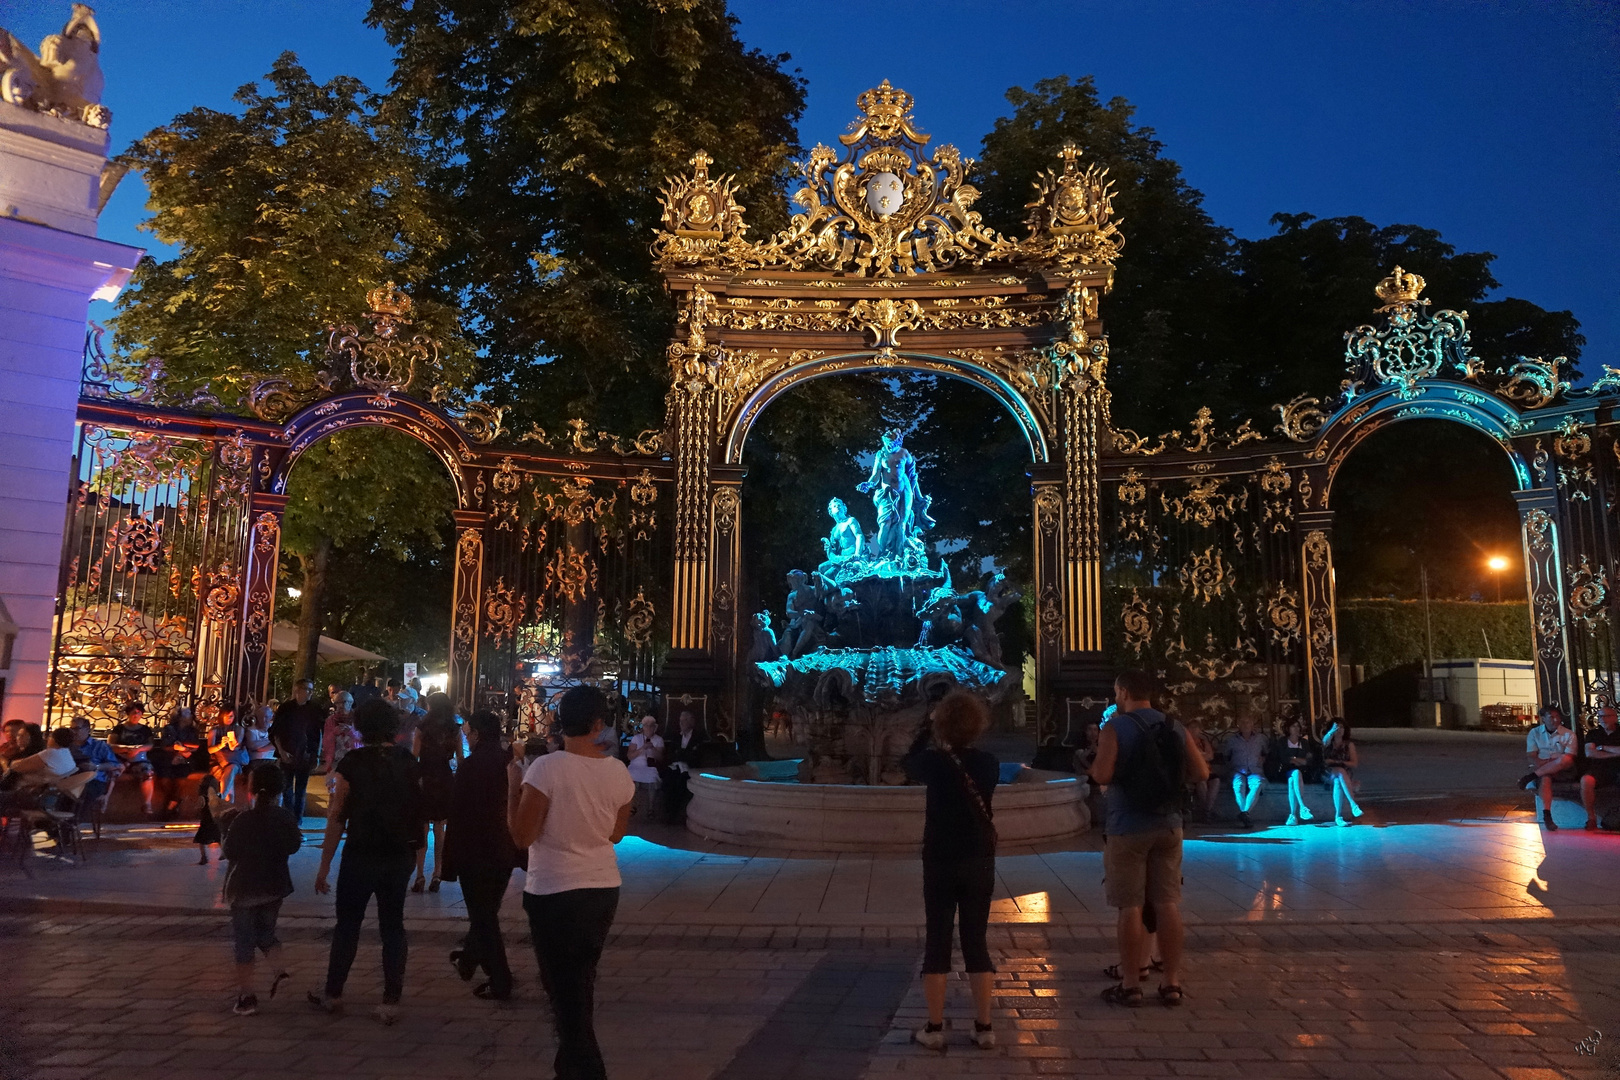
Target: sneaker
324,1003
929,1036
1355,811
386,1015
1292,820
1305,813
246,1005
1341,823
1546,819
984,1037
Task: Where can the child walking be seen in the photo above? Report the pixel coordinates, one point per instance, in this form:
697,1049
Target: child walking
258,843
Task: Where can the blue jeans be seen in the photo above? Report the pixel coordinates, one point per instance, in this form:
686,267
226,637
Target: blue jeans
361,876
569,930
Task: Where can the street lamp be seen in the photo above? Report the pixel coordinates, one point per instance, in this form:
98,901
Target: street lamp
1497,564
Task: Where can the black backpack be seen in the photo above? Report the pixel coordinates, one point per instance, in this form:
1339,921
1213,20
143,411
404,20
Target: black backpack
1154,776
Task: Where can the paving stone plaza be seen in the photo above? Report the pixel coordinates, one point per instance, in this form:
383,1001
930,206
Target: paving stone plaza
1447,937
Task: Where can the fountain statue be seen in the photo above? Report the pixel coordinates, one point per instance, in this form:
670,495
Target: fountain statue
875,634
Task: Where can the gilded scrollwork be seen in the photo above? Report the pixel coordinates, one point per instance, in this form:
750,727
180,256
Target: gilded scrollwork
1138,624
1205,503
1589,594
727,507
1302,418
1071,218
1538,530
503,611
1283,617
1206,577
1317,550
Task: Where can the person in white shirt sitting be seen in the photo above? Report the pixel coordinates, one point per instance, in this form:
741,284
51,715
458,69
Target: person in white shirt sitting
53,763
646,754
1549,750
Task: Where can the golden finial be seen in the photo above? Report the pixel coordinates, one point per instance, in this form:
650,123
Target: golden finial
700,164
1400,289
1070,155
885,114
389,299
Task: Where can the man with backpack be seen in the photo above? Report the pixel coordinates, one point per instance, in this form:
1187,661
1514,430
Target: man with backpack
1146,760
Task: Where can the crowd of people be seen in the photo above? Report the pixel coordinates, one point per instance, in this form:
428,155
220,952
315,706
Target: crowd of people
415,791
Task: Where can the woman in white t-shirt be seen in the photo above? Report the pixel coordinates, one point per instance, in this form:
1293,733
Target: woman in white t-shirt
569,809
55,762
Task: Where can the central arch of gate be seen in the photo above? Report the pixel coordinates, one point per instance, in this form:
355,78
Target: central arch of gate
887,268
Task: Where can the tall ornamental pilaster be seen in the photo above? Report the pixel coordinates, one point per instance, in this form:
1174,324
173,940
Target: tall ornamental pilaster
464,607
1544,585
1323,696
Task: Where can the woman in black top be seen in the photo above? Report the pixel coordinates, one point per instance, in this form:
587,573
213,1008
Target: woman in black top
377,802
435,743
959,855
1295,752
1339,761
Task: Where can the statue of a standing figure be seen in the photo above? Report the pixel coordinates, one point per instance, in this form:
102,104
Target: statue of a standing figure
902,508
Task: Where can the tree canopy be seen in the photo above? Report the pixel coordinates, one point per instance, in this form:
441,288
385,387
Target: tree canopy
553,124
285,214
1200,317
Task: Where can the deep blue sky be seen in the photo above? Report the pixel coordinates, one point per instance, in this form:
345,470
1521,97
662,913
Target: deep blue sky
1494,123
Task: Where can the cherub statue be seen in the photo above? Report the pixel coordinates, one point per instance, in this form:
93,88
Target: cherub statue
941,618
65,78
843,610
980,610
764,646
804,630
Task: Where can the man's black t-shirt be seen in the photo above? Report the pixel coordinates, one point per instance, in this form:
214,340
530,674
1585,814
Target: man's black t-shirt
125,735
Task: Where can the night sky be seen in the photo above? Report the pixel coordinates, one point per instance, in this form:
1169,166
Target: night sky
1493,123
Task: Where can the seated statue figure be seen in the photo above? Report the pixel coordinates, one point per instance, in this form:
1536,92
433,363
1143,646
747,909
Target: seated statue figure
804,631
845,542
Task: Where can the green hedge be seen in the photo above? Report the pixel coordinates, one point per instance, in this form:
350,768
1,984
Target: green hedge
1384,634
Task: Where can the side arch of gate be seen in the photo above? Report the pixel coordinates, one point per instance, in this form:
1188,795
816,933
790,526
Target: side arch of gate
174,530
1218,548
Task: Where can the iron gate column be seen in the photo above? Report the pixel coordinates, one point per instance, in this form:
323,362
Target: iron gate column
464,608
260,557
1323,695
1544,586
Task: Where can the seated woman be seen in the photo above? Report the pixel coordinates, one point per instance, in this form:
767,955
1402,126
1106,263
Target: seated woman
1204,792
1295,752
1339,762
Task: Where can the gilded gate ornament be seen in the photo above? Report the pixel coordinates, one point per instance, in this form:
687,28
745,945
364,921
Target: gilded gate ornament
887,208
1538,526
1589,594
726,508
503,611
1316,549
1283,615
1137,622
638,623
1275,481
383,361
1413,346
1302,418
1204,504
1206,576
139,545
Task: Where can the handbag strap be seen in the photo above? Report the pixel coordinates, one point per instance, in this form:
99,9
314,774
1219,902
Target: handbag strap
974,796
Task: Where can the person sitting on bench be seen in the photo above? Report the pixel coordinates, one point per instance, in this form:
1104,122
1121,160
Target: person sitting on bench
1549,750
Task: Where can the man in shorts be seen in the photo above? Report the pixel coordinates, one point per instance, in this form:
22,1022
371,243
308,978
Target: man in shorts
1142,853
1549,750
1602,760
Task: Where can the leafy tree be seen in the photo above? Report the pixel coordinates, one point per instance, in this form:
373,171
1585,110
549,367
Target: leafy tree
556,122
285,214
1176,279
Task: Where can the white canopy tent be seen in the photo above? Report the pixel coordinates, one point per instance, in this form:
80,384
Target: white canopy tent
284,640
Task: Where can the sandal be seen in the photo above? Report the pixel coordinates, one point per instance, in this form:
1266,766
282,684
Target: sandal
1112,970
419,884
1170,995
1120,994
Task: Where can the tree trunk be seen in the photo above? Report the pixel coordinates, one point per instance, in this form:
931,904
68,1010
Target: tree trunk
312,608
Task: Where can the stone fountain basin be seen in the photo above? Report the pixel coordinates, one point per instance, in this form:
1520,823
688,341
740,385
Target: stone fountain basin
735,805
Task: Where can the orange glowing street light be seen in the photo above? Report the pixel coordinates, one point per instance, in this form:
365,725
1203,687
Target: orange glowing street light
1497,564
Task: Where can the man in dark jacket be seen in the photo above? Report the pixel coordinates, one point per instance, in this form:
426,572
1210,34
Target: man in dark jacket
296,735
478,852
